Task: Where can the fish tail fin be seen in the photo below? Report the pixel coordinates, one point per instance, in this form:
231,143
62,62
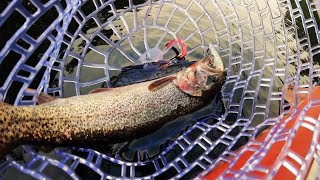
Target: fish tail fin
5,136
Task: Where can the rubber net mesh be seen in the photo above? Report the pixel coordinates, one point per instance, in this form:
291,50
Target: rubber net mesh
70,47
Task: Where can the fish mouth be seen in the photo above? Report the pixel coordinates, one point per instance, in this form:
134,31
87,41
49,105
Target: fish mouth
209,72
212,65
208,64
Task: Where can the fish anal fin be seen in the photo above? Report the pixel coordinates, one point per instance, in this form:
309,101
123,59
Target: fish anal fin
158,84
100,90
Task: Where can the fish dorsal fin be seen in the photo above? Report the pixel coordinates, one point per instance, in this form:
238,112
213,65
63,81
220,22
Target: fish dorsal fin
100,90
158,84
44,98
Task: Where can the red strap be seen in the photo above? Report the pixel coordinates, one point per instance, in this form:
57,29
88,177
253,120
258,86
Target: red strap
182,43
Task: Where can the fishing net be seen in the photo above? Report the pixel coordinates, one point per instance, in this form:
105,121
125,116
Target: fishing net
270,48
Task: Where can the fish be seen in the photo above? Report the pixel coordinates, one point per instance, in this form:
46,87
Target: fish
111,115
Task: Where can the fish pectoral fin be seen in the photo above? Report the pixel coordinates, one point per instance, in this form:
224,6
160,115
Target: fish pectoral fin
44,98
100,90
158,84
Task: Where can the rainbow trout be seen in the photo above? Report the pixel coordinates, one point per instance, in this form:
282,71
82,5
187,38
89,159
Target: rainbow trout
111,114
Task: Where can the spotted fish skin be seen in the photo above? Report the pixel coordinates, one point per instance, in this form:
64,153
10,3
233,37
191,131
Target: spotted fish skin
114,115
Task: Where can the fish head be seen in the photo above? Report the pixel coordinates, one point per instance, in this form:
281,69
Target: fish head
203,78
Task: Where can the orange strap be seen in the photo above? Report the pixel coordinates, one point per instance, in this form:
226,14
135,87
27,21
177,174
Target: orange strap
182,43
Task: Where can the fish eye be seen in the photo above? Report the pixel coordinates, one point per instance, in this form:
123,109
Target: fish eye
212,78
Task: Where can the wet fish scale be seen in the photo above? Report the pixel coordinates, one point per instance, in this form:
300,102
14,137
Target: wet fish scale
61,116
112,116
